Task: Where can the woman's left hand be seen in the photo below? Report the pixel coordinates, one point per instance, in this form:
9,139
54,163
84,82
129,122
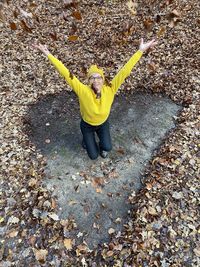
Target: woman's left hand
145,46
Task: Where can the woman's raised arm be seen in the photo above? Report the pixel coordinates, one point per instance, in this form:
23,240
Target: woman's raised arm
127,68
74,83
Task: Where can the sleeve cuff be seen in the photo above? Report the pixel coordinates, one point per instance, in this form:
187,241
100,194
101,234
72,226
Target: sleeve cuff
140,52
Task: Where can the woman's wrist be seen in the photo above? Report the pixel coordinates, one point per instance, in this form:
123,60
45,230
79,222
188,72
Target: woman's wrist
46,53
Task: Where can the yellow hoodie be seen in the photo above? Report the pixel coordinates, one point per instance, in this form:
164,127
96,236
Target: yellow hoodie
95,111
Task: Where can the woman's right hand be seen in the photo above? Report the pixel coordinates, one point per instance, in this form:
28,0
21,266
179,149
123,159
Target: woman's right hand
42,48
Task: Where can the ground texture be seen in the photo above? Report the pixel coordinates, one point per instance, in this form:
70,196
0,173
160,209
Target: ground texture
163,227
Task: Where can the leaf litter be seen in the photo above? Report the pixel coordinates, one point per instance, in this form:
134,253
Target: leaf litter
163,227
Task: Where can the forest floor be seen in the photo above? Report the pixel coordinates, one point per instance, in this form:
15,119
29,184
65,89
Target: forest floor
162,226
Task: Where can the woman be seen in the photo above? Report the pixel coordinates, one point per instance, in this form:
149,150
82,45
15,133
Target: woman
96,99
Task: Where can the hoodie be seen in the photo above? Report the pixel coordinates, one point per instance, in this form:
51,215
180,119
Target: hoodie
95,111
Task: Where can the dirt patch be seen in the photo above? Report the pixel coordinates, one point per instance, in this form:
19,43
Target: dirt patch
95,193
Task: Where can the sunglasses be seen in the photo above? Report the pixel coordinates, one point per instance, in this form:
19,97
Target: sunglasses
98,78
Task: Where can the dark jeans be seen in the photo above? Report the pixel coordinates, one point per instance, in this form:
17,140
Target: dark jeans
102,131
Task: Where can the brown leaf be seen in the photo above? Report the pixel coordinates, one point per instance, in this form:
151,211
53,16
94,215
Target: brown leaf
13,26
15,13
148,186
54,36
121,150
77,15
81,249
53,203
32,240
13,233
25,26
151,66
110,253
148,24
70,3
97,181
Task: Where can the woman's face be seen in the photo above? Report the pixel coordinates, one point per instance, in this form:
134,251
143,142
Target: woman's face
96,81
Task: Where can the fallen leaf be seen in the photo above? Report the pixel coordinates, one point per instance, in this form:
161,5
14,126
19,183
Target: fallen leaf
13,220
77,15
68,243
152,211
53,203
55,38
177,195
13,233
111,231
40,254
13,26
53,216
25,26
98,190
132,6
197,251
161,31
73,38
148,24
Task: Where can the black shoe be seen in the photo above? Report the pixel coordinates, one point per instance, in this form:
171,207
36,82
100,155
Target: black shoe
103,154
83,145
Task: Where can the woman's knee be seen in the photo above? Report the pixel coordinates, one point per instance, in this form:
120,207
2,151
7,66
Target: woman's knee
107,147
93,156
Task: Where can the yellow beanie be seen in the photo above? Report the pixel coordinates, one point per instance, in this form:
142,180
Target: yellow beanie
95,69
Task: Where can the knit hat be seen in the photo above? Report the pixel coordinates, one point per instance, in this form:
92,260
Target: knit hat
95,69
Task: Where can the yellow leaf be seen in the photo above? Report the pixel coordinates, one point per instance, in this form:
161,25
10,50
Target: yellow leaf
99,190
132,7
177,162
73,38
68,243
161,31
152,211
